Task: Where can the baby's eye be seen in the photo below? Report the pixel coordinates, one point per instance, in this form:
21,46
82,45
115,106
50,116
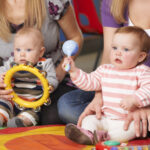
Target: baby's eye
126,49
28,50
18,49
114,48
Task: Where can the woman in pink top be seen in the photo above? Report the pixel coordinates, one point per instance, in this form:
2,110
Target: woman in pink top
124,84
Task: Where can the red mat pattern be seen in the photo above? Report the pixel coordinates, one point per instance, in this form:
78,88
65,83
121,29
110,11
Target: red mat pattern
37,138
44,138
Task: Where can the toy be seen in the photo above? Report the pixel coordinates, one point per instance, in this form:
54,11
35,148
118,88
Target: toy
134,145
23,103
70,48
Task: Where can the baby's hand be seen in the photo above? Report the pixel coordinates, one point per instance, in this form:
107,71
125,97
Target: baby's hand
51,89
129,103
70,61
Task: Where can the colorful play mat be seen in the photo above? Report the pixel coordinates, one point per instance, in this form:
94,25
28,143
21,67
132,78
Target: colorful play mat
47,138
37,138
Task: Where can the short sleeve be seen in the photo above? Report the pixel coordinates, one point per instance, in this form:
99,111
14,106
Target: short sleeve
57,8
106,16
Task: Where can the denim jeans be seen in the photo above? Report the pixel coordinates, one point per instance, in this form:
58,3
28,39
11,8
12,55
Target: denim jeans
49,114
72,104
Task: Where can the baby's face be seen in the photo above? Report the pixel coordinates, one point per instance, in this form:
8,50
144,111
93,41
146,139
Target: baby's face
26,49
125,51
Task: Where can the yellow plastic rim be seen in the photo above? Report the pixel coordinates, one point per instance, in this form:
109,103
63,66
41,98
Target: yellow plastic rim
16,98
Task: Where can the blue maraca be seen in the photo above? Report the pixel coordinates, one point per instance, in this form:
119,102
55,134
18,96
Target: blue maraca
69,48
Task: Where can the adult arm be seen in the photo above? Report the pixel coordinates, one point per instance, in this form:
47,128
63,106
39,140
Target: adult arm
71,30
109,27
108,33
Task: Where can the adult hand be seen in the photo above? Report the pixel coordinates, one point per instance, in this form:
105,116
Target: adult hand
93,108
4,94
141,117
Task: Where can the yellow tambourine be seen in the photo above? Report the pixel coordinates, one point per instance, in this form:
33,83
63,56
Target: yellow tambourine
16,98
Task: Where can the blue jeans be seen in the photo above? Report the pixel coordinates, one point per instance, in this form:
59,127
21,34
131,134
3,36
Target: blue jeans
72,104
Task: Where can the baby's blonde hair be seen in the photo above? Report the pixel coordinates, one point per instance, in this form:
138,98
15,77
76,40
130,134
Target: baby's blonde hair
140,34
35,12
34,32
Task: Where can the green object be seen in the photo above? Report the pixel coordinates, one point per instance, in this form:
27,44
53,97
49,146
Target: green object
2,128
111,143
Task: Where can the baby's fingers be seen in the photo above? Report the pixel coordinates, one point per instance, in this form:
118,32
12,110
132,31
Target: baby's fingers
123,106
64,65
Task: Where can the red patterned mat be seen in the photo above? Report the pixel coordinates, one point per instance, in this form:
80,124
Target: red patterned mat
37,138
44,138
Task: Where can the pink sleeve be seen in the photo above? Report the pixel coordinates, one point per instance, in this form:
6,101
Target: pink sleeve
88,82
143,92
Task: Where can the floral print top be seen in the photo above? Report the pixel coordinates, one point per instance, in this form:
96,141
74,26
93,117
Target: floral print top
56,9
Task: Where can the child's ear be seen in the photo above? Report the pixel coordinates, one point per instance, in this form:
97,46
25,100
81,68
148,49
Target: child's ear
142,56
42,50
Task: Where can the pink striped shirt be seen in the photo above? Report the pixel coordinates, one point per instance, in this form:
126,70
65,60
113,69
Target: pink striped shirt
117,84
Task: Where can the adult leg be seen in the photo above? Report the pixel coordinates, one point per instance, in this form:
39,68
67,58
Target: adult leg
49,114
72,104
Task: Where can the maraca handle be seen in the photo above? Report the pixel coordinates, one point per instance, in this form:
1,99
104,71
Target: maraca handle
67,67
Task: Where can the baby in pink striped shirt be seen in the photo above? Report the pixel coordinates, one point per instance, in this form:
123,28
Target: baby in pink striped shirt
125,86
